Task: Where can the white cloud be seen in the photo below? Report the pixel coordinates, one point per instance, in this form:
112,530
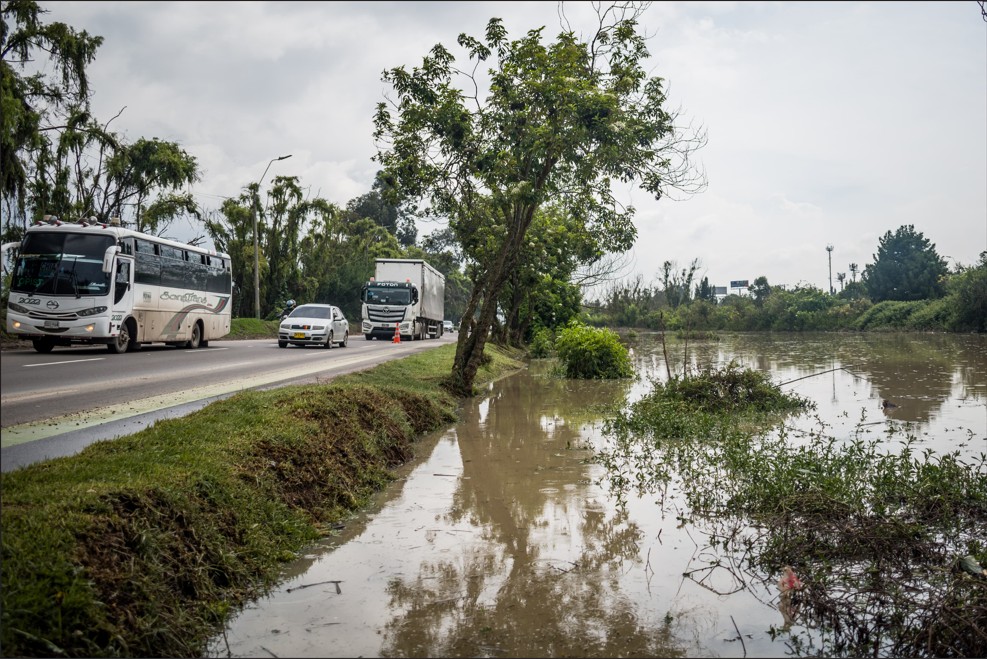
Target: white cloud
828,123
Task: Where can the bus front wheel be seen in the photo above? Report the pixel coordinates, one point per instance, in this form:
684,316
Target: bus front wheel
43,345
119,345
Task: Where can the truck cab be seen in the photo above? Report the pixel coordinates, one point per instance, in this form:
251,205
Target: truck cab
406,296
386,305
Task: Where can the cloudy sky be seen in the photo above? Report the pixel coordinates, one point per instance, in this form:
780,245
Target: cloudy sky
827,123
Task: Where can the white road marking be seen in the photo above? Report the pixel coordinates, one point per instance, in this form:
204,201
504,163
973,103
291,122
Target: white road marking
71,361
29,432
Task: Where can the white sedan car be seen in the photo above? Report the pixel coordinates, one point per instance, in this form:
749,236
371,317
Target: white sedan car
314,324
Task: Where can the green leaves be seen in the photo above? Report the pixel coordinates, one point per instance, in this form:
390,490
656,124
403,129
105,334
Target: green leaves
592,353
31,105
556,123
906,267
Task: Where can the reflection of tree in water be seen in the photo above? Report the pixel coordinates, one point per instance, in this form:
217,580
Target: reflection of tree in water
537,611
544,581
915,371
916,374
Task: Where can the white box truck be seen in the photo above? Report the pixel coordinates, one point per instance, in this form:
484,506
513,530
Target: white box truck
407,295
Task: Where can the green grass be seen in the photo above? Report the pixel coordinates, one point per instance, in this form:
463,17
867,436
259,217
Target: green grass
252,328
143,545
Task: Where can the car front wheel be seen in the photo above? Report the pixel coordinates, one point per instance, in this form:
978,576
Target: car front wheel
329,341
345,341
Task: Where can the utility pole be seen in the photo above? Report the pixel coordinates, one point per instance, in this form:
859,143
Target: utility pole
829,249
253,207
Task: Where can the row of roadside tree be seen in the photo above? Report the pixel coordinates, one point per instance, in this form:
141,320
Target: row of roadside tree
908,287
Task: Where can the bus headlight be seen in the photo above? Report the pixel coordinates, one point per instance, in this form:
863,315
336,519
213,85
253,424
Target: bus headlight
92,312
15,323
18,308
90,328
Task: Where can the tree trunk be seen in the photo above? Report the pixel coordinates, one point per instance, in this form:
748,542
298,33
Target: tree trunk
469,352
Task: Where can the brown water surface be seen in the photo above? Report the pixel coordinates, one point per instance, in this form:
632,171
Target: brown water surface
501,538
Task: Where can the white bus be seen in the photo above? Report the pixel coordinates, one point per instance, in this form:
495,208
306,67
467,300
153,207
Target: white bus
97,283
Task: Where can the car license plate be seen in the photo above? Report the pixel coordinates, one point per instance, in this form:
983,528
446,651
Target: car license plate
51,324
299,335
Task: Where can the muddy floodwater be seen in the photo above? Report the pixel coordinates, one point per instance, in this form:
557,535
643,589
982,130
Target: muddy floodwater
502,538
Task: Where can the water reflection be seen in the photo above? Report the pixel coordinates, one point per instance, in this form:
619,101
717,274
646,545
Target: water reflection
938,382
538,575
499,542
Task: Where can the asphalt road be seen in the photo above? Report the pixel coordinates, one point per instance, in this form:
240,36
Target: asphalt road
56,404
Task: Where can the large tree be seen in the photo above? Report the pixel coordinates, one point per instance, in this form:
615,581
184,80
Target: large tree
562,121
397,219
905,268
56,157
43,86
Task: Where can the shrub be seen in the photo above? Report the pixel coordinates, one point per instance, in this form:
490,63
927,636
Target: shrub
888,315
729,390
592,353
542,343
934,315
968,298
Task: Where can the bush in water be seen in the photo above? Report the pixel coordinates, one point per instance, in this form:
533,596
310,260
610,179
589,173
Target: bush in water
592,353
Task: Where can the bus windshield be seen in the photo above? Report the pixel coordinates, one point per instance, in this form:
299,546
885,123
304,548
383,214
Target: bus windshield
62,264
388,295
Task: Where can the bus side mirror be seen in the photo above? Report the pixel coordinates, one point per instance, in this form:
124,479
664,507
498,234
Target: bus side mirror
108,258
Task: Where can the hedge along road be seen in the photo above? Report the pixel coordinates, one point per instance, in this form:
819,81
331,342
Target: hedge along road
55,405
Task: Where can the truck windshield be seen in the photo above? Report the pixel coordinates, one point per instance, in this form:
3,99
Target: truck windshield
387,295
62,264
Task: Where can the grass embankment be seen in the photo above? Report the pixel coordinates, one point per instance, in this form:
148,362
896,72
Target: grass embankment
253,328
142,546
880,539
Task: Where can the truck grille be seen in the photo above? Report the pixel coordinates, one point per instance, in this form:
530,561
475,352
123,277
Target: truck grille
385,314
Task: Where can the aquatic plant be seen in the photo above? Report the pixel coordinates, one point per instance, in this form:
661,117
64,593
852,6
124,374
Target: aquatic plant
875,535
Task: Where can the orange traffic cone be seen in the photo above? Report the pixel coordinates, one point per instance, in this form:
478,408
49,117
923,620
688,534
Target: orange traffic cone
397,333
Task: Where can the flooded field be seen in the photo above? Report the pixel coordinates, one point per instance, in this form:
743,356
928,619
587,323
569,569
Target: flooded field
503,539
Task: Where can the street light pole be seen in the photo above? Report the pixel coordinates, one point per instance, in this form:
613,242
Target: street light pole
253,208
829,248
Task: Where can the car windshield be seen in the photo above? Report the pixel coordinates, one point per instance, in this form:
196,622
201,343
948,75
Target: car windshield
312,311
